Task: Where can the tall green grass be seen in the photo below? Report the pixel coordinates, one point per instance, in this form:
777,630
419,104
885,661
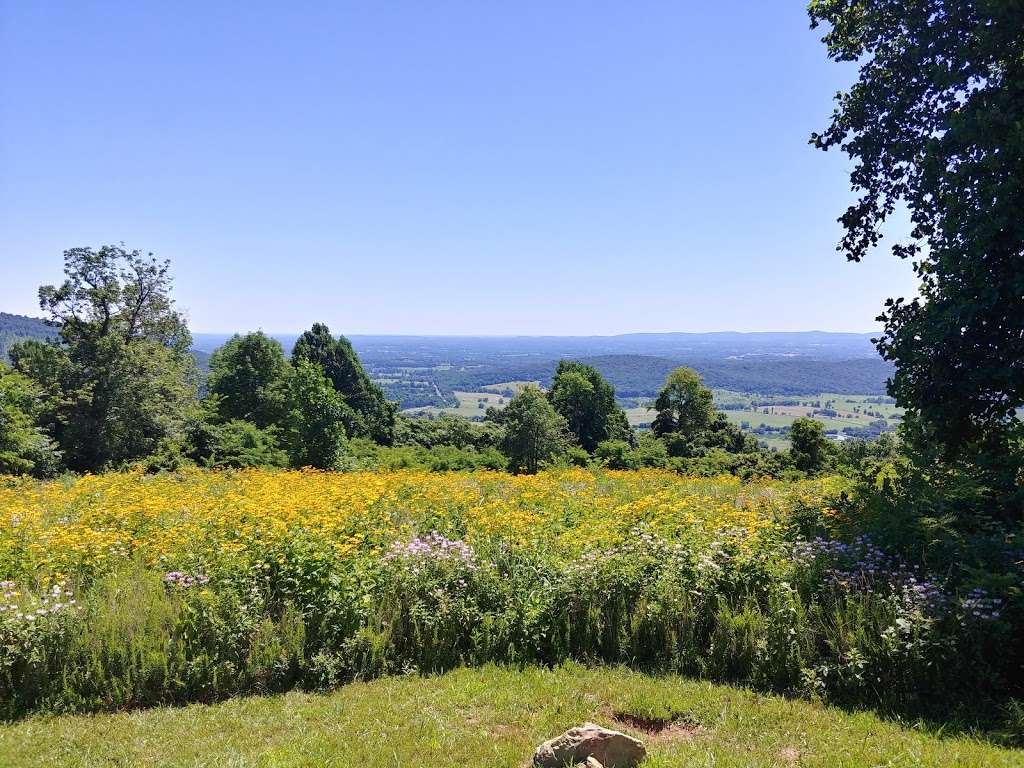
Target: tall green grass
317,620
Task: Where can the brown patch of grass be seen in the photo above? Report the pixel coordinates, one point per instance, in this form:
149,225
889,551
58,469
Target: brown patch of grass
657,728
790,755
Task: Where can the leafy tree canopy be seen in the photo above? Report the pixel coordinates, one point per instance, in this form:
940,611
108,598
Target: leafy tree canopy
587,402
24,447
234,444
447,429
122,378
809,449
247,378
684,405
535,433
935,122
313,426
112,292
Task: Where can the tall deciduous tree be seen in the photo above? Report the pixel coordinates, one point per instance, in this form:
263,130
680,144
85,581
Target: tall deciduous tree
587,402
934,122
809,448
684,406
125,378
374,414
247,379
534,432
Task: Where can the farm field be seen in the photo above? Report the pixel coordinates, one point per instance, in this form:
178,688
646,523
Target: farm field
767,416
491,716
491,395
848,409
887,407
774,441
779,417
508,386
639,415
851,411
472,405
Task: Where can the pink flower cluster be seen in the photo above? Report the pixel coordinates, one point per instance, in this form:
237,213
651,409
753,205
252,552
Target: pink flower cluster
184,580
435,546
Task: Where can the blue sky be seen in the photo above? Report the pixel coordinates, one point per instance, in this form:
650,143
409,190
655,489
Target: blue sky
444,167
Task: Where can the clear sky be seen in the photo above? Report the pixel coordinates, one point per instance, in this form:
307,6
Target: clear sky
525,167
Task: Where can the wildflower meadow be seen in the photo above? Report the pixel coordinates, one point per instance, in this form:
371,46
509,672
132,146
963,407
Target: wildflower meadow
127,589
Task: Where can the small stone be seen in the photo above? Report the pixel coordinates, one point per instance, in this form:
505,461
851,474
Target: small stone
609,749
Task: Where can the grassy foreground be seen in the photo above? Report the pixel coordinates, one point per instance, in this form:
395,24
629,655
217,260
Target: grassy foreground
488,716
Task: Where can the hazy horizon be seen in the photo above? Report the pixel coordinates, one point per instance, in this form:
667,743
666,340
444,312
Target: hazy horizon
296,332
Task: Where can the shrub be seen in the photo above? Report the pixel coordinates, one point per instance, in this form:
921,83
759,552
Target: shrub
615,454
235,444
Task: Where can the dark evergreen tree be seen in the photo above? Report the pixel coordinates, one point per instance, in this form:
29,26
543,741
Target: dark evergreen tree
374,415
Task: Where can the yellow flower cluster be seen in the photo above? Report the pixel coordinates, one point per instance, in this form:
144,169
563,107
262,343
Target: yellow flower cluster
85,525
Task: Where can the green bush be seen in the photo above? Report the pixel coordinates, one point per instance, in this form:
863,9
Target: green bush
439,458
234,444
615,454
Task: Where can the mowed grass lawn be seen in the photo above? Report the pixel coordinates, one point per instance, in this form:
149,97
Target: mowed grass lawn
491,717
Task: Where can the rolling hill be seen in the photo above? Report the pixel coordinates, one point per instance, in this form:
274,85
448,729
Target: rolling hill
15,328
427,370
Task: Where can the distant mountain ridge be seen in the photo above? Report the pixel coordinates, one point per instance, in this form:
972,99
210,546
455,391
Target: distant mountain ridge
642,375
15,328
423,370
724,344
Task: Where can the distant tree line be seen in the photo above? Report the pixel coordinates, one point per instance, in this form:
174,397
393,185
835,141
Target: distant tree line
640,376
117,386
15,328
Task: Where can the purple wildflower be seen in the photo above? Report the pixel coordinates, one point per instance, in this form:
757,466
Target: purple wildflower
434,546
184,580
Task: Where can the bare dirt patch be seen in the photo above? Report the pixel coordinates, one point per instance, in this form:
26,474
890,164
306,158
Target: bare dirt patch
790,755
659,729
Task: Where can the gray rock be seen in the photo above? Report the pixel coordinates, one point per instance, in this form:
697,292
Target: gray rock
611,749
